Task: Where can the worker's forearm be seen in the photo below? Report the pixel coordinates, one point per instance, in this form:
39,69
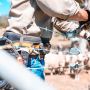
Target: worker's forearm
82,15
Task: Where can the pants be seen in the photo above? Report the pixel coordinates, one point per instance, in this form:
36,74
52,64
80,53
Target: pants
12,36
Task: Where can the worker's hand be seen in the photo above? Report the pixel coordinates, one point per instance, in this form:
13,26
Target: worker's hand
83,22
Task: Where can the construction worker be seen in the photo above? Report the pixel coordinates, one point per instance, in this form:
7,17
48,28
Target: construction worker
35,64
26,15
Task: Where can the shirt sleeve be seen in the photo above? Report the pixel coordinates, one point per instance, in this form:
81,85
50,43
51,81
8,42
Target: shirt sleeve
59,8
24,19
71,7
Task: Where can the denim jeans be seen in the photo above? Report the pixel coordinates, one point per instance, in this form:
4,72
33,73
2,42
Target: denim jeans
12,36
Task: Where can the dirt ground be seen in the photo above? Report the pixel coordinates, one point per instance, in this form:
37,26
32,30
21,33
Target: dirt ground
65,82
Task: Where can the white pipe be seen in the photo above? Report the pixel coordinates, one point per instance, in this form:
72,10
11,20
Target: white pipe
18,76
